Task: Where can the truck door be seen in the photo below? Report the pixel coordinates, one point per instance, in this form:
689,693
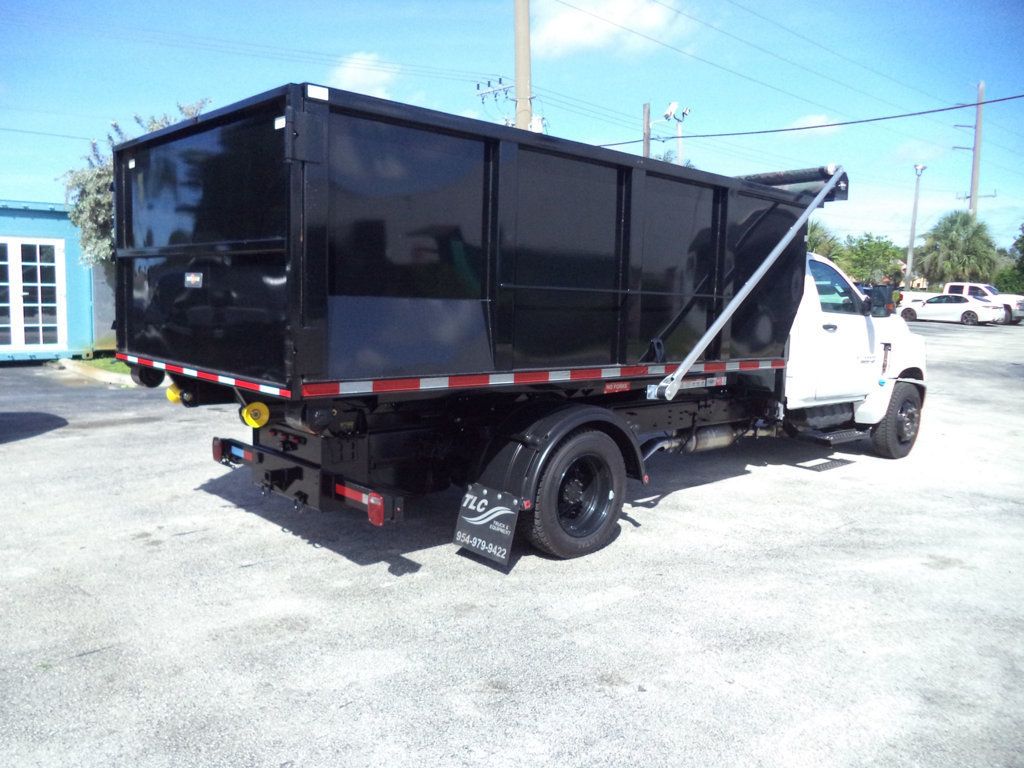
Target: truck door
842,341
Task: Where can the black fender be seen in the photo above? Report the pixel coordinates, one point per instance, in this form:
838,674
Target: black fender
523,442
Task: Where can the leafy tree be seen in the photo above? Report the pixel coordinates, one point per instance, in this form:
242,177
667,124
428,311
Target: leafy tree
1010,279
87,189
871,258
821,241
958,247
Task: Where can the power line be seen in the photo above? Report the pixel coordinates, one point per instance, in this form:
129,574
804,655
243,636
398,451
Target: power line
846,58
828,125
44,133
682,52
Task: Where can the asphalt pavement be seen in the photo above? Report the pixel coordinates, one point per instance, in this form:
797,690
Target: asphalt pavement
772,604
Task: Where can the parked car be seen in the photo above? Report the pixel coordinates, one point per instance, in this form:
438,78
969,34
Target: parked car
968,310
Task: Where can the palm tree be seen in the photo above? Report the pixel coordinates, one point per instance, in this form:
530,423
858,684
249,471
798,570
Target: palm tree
958,247
821,241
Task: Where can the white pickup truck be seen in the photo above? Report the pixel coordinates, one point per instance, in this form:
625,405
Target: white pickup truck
1013,305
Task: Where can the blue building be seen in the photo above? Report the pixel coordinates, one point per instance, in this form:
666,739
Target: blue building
49,301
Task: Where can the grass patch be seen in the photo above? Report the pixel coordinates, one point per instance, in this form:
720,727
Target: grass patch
111,364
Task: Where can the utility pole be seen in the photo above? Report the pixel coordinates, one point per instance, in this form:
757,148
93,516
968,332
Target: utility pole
647,129
524,110
918,169
976,162
976,151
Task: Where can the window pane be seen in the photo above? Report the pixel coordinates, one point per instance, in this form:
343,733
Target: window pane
49,314
30,295
3,253
31,314
32,334
48,295
5,334
46,254
407,211
48,275
3,273
5,295
29,273
49,334
5,314
835,294
29,254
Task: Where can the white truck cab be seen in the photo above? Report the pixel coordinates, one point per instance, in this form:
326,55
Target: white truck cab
852,367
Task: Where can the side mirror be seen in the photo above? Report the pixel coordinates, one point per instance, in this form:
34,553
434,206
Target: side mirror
866,306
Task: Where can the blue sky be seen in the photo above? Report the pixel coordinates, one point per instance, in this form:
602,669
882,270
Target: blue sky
69,68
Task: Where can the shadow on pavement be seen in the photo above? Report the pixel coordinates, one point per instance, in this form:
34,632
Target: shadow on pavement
22,425
430,520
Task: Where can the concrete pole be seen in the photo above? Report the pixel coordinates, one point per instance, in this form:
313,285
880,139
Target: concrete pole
647,129
679,141
976,163
524,109
918,169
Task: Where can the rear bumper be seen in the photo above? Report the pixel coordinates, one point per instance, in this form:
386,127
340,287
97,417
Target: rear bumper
306,483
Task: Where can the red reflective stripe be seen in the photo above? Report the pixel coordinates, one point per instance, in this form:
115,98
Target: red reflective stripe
714,367
585,373
747,365
634,370
349,493
314,390
396,385
247,455
778,363
478,380
206,376
532,377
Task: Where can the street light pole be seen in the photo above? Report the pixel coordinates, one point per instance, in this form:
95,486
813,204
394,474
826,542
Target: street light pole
670,114
918,169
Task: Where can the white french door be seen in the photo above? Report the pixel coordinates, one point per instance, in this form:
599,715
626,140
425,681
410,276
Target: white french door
33,295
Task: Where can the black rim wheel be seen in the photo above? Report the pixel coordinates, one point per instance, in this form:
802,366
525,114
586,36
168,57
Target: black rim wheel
584,496
969,318
908,418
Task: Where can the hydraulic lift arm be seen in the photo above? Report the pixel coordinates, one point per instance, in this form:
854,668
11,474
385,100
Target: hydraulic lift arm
669,386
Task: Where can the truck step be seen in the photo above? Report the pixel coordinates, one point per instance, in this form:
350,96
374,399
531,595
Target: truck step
833,438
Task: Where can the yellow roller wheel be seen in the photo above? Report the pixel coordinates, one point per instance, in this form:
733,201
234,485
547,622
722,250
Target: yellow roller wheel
174,393
255,415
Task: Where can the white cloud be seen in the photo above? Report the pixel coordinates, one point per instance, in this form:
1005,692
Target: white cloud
558,30
365,73
810,121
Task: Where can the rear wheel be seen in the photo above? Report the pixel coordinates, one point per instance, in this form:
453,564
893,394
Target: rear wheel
580,496
908,314
896,433
969,318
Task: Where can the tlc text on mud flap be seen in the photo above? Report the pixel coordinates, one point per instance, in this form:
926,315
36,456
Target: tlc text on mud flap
487,523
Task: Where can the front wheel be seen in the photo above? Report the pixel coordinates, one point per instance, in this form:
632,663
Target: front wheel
908,314
580,496
969,318
896,433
